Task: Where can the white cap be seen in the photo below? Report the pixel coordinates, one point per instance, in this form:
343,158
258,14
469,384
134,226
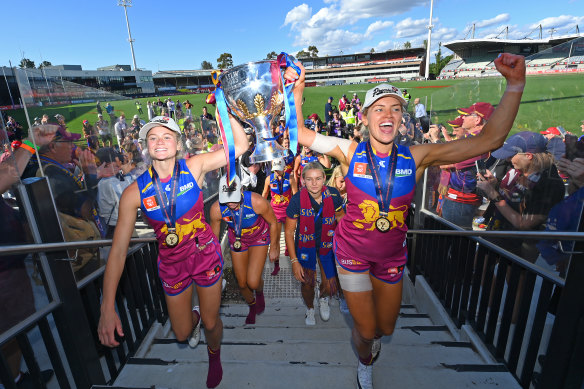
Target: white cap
229,194
278,164
157,121
380,91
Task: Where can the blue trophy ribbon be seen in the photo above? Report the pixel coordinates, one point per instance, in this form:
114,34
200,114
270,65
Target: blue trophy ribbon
226,133
286,60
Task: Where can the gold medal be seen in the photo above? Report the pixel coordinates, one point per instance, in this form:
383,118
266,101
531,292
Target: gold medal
382,224
171,239
237,245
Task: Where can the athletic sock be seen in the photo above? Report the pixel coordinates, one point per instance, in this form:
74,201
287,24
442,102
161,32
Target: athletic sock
260,302
215,373
367,361
250,319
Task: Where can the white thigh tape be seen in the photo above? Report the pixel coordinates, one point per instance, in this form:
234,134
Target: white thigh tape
354,282
325,144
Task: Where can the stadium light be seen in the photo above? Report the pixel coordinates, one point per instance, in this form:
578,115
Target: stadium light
430,26
126,4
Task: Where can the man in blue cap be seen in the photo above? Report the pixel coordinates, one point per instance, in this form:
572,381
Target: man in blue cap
328,110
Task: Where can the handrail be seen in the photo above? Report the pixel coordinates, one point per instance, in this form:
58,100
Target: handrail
58,246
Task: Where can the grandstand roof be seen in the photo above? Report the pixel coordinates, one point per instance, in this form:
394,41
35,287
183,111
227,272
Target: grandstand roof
457,45
181,73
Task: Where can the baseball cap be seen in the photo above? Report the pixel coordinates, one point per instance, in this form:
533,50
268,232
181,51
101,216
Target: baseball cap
456,122
522,142
231,193
380,91
99,115
156,121
59,116
136,117
62,135
484,110
551,130
330,98
85,121
278,164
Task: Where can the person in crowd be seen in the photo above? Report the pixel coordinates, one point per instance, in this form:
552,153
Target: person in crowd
252,226
103,129
206,115
139,107
188,108
120,129
280,186
421,115
306,156
135,125
61,120
17,301
555,142
170,197
371,273
90,134
170,107
109,109
461,200
311,219
337,125
150,108
110,188
328,110
524,197
343,103
45,119
407,97
337,180
355,100
98,108
14,129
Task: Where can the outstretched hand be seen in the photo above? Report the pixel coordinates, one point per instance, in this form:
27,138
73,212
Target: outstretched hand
512,67
292,75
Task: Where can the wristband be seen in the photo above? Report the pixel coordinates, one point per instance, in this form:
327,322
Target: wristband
29,143
293,260
26,147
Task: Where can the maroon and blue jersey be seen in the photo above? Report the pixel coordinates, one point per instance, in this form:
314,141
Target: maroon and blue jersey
357,229
190,218
255,230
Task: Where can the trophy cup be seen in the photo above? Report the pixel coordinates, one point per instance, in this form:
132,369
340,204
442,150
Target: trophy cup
255,94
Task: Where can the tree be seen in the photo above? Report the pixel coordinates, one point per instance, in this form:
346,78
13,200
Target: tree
372,50
26,63
272,55
313,51
302,54
407,45
425,43
437,67
225,61
206,65
44,64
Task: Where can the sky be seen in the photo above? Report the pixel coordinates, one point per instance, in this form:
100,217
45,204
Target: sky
180,35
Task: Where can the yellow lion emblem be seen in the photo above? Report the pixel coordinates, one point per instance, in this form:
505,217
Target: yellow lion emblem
191,227
370,211
279,199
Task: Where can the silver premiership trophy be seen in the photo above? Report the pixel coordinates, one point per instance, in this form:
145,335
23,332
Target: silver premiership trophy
255,94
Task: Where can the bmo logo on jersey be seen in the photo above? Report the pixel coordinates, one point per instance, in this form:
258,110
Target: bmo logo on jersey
403,172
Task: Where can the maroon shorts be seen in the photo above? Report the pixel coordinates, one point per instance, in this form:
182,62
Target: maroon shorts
204,266
389,271
258,235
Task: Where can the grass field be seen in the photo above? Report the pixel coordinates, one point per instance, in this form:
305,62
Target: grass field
547,101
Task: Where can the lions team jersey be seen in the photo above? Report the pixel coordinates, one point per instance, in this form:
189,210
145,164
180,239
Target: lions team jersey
254,229
357,229
280,196
191,227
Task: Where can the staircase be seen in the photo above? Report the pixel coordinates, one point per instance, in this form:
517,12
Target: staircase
280,351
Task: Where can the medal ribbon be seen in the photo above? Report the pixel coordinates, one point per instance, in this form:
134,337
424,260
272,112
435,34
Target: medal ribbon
383,198
168,210
237,226
285,61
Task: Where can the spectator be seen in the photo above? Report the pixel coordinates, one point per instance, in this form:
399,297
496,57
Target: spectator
355,100
328,110
61,120
170,107
526,194
337,125
206,115
407,97
343,103
98,108
109,189
555,142
120,129
45,119
111,113
150,108
421,115
188,106
103,129
14,129
462,201
90,135
139,107
316,124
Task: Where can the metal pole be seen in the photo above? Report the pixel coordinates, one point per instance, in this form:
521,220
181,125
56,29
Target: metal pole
125,4
7,85
430,26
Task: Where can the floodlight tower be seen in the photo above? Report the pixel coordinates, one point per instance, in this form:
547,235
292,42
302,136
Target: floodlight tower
430,26
126,4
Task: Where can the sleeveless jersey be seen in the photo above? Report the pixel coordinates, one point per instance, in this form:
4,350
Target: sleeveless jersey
356,230
252,225
289,161
191,227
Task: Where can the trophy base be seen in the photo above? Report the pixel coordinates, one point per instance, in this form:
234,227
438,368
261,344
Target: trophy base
267,151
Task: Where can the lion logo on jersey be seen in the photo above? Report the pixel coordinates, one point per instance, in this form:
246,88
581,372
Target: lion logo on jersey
280,199
192,227
370,211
